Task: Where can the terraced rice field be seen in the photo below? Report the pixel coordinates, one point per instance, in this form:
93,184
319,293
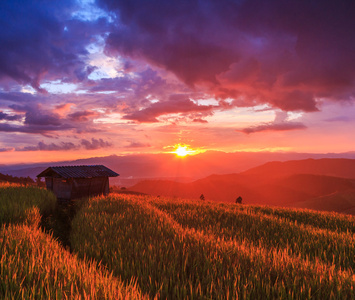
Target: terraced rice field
185,249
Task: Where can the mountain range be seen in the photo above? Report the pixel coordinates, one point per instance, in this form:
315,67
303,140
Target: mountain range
320,184
132,168
315,181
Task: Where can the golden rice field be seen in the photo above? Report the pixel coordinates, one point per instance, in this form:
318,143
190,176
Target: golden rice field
33,265
137,247
200,250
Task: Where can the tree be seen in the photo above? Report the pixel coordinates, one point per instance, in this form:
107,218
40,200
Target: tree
202,197
239,200
39,182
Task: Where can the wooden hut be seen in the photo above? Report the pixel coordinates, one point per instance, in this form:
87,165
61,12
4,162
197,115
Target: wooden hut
72,182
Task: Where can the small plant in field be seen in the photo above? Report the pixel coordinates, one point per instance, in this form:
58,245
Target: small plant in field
239,200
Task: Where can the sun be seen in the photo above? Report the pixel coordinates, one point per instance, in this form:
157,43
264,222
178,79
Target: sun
182,151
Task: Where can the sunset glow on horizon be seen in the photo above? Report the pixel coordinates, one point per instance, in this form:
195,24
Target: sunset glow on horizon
86,78
183,150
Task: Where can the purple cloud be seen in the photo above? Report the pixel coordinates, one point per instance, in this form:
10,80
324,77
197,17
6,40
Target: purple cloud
199,121
41,146
95,144
279,124
42,118
81,116
41,40
33,129
7,117
273,127
176,104
66,146
284,53
6,149
137,145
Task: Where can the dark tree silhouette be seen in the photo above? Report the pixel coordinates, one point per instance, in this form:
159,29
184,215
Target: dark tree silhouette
39,182
202,197
13,179
239,200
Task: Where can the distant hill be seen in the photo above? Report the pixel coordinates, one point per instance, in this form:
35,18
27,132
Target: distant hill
342,202
135,167
304,183
339,167
317,185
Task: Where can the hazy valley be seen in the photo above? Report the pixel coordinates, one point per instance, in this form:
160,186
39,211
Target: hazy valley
325,184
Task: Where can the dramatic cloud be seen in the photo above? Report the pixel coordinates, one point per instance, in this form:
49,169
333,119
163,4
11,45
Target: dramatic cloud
81,116
4,116
288,54
45,119
175,71
36,120
279,124
39,39
33,129
137,145
17,97
199,121
176,104
66,146
95,144
50,147
274,127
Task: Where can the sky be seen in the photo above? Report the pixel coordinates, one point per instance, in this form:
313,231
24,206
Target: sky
85,78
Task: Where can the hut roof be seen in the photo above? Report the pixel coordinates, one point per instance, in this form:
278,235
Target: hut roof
78,172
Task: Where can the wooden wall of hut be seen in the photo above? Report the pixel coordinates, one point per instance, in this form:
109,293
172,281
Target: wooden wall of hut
61,187
85,187
74,188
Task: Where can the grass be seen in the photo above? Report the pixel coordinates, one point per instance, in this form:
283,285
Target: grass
185,249
33,265
20,204
271,231
137,247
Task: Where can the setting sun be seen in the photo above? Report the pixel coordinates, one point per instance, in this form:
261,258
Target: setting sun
183,150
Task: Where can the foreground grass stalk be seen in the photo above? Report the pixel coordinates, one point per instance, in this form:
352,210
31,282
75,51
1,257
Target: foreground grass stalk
24,205
34,266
